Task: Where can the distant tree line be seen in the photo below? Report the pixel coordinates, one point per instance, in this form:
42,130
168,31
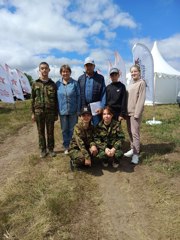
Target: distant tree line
29,78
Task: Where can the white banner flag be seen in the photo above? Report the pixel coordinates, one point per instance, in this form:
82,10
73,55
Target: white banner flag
5,88
24,82
107,79
119,63
15,83
143,57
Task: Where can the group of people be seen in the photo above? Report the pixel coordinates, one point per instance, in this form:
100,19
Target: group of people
89,134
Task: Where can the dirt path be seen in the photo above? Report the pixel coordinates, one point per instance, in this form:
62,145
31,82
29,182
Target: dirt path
138,203
14,150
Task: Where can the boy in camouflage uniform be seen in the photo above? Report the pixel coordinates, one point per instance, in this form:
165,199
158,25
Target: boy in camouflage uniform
108,139
82,147
45,109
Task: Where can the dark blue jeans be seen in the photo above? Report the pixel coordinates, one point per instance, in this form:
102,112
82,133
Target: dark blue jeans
67,126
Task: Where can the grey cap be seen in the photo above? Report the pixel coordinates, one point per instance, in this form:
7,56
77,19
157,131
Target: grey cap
113,70
89,60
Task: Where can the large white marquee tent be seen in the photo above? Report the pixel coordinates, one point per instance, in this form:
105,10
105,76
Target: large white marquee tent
166,79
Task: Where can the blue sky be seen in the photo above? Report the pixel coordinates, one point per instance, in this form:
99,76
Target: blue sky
67,31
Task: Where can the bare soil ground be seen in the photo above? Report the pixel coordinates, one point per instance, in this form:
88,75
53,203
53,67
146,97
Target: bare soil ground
137,202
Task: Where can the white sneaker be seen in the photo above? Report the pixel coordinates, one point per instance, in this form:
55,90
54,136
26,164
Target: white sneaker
129,153
66,152
135,159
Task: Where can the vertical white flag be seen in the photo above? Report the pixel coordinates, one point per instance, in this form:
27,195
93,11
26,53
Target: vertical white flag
15,83
5,88
119,63
143,57
108,80
24,82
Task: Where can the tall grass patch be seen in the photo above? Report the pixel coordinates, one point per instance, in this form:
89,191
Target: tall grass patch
46,201
13,117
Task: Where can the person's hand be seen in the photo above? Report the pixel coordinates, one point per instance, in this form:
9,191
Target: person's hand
88,162
93,150
120,118
108,152
99,111
33,117
113,150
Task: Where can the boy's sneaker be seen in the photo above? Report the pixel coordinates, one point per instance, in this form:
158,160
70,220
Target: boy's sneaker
105,163
52,154
115,164
43,154
135,159
129,153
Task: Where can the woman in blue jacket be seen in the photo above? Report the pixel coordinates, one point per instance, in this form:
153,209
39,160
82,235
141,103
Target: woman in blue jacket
68,93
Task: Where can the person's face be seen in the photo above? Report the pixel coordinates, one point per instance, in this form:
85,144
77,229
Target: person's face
135,74
89,68
65,73
114,77
107,117
86,117
44,71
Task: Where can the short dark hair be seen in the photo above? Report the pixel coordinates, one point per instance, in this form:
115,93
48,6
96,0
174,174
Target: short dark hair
44,63
65,66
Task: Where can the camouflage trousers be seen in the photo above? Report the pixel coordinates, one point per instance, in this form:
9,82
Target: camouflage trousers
45,126
77,156
117,157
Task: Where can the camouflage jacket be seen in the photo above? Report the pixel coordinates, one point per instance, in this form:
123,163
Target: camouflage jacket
82,139
44,97
109,136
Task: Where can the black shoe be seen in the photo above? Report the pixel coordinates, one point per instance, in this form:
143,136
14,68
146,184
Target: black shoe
43,154
52,154
105,163
115,164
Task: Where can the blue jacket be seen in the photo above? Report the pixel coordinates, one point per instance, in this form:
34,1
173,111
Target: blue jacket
68,97
99,89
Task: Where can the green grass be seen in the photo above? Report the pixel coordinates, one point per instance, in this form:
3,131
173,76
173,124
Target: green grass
46,201
13,117
169,130
161,142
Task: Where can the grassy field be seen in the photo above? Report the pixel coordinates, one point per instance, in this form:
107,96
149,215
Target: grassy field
13,117
46,201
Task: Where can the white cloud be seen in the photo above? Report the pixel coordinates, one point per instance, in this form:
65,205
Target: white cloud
123,20
66,31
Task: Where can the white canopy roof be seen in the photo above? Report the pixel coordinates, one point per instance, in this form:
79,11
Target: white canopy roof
160,65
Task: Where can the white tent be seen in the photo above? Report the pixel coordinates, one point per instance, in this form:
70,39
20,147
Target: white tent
166,79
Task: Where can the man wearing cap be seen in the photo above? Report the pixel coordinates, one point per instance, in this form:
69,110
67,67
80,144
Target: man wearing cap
92,88
82,148
116,95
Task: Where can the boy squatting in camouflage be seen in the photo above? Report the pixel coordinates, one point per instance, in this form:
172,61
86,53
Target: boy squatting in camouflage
108,137
45,109
81,142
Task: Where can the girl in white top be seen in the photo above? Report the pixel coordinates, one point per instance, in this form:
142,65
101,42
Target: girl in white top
136,94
